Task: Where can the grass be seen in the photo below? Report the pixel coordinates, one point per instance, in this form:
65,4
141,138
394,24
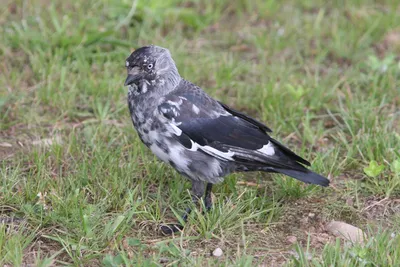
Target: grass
381,249
84,191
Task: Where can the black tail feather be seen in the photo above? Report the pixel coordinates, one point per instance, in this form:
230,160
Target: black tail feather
306,176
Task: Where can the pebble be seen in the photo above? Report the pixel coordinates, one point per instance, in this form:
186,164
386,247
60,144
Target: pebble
217,252
346,231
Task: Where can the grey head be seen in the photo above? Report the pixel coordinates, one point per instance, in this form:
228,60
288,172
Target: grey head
151,67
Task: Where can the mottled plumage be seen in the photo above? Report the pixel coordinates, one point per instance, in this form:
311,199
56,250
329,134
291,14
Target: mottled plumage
200,137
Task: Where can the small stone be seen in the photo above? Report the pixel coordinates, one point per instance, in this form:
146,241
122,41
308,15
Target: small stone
311,215
217,252
291,239
346,231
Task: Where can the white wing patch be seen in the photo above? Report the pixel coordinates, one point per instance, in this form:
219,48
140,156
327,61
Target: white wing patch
195,109
176,129
213,152
267,149
217,153
175,104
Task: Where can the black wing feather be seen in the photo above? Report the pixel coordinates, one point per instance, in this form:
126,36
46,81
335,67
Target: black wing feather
290,153
233,131
264,128
225,130
241,115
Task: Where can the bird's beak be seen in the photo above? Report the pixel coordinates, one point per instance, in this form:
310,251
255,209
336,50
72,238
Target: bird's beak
134,74
131,79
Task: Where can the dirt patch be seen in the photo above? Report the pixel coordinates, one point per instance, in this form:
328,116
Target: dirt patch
16,139
304,218
22,137
40,249
390,42
381,211
12,143
6,150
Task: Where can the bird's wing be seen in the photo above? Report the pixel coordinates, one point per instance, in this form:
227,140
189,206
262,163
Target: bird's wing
264,128
201,123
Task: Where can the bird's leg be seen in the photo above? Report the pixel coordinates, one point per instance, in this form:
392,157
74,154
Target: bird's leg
207,197
189,209
197,192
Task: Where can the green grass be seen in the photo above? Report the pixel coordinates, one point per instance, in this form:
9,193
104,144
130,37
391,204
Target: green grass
324,76
380,250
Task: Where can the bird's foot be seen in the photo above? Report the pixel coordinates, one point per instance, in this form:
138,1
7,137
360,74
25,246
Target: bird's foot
207,204
169,229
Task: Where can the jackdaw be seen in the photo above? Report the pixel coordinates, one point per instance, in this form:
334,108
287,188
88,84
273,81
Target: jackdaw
202,138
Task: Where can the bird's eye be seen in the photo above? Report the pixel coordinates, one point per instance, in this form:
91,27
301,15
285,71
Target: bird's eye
150,66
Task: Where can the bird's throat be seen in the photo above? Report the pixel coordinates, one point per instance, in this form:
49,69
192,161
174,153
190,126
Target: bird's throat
133,90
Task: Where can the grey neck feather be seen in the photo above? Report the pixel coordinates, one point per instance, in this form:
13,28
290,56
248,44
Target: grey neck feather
167,75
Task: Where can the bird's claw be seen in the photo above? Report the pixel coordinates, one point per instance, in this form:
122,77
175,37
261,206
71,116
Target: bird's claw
169,229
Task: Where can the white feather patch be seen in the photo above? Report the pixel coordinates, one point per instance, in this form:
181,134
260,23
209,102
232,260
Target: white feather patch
194,146
175,104
195,109
267,149
176,130
217,153
144,88
213,152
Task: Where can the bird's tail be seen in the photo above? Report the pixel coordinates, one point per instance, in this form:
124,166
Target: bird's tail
306,176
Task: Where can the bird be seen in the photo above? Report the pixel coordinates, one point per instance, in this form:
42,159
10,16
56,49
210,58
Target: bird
202,138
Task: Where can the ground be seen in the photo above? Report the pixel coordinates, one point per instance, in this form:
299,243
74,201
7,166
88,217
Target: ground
78,187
